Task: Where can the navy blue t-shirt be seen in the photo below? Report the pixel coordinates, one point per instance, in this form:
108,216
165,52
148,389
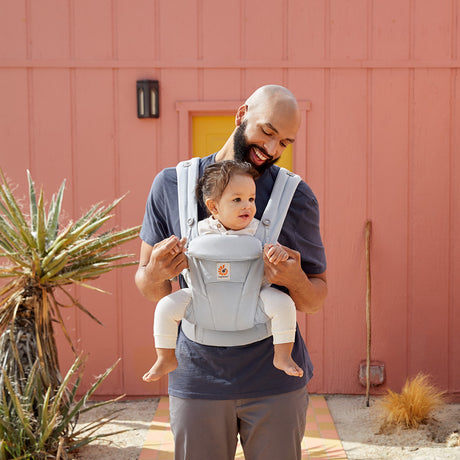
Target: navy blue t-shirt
247,371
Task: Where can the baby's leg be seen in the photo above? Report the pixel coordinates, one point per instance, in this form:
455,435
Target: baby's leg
281,310
168,312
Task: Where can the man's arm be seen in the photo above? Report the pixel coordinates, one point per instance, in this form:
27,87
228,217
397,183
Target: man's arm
157,265
307,291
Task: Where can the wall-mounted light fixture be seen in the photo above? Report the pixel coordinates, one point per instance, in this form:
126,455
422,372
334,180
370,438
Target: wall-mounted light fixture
148,99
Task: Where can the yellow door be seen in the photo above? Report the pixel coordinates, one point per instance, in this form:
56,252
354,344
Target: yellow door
210,133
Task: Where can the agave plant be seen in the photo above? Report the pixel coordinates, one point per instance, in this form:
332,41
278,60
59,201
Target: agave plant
34,423
39,258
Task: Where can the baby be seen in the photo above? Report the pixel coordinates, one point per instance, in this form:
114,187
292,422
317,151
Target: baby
228,191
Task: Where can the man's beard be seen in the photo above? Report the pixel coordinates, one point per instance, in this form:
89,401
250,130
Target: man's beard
242,149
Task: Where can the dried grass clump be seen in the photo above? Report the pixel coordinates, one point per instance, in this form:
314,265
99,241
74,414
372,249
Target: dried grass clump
453,440
413,406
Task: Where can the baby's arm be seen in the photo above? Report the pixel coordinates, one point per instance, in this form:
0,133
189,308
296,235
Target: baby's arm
275,253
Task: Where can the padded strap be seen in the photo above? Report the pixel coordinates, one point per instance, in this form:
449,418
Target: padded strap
226,338
187,176
277,207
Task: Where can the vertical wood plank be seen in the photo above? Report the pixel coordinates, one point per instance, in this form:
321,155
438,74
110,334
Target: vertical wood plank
178,85
137,30
178,16
138,147
51,119
389,207
221,38
13,31
93,29
348,29
263,30
454,294
95,182
346,215
429,225
432,29
390,32
307,37
49,29
14,123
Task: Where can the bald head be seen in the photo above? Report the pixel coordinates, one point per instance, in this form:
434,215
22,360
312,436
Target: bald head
267,92
270,99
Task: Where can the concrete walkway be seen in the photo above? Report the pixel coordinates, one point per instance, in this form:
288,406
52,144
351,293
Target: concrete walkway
320,441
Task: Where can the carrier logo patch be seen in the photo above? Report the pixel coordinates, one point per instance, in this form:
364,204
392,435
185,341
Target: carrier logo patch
223,271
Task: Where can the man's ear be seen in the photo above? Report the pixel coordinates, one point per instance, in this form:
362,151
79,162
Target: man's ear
240,114
211,205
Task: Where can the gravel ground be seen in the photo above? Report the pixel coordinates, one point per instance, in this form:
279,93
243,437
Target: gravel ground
358,427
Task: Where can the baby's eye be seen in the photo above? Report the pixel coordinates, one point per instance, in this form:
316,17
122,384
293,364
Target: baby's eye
236,200
251,200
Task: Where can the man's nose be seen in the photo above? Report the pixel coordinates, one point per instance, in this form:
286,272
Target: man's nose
271,146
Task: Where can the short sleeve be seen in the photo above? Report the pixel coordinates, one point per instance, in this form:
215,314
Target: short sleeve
161,214
301,230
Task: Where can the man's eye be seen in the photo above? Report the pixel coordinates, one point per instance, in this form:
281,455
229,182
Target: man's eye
283,144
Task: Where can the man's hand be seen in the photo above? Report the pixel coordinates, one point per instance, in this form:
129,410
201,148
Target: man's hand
158,265
167,259
282,264
307,291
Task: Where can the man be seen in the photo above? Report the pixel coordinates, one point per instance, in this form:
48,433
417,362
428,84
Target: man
217,393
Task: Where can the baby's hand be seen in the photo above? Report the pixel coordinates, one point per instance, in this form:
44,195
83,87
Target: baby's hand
179,247
275,253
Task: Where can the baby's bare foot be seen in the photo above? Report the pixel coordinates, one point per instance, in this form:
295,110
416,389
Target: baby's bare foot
160,368
288,365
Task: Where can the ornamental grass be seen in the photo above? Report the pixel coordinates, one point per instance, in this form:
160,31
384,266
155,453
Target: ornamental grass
413,406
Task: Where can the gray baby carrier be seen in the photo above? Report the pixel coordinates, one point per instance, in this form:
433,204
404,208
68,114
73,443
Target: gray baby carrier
226,271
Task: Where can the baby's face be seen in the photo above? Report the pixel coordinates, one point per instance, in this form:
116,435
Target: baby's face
237,206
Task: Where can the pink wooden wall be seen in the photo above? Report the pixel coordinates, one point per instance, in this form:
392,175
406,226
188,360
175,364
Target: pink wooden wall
381,142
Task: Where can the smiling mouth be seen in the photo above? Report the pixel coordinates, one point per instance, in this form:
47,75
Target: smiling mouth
260,154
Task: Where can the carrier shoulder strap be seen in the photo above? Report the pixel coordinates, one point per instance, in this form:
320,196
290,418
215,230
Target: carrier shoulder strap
187,176
272,219
277,207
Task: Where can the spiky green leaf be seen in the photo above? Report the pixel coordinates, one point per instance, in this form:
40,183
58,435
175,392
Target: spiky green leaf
54,214
33,202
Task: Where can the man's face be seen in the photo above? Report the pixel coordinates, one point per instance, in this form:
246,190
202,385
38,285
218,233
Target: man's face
263,136
243,149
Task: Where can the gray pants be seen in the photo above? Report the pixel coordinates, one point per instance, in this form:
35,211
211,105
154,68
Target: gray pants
270,428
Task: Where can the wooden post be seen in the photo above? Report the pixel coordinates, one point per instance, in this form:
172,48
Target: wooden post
368,306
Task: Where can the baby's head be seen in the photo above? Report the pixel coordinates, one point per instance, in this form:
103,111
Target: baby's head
228,190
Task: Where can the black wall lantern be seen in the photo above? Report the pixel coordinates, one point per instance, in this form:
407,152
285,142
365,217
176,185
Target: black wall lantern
148,99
